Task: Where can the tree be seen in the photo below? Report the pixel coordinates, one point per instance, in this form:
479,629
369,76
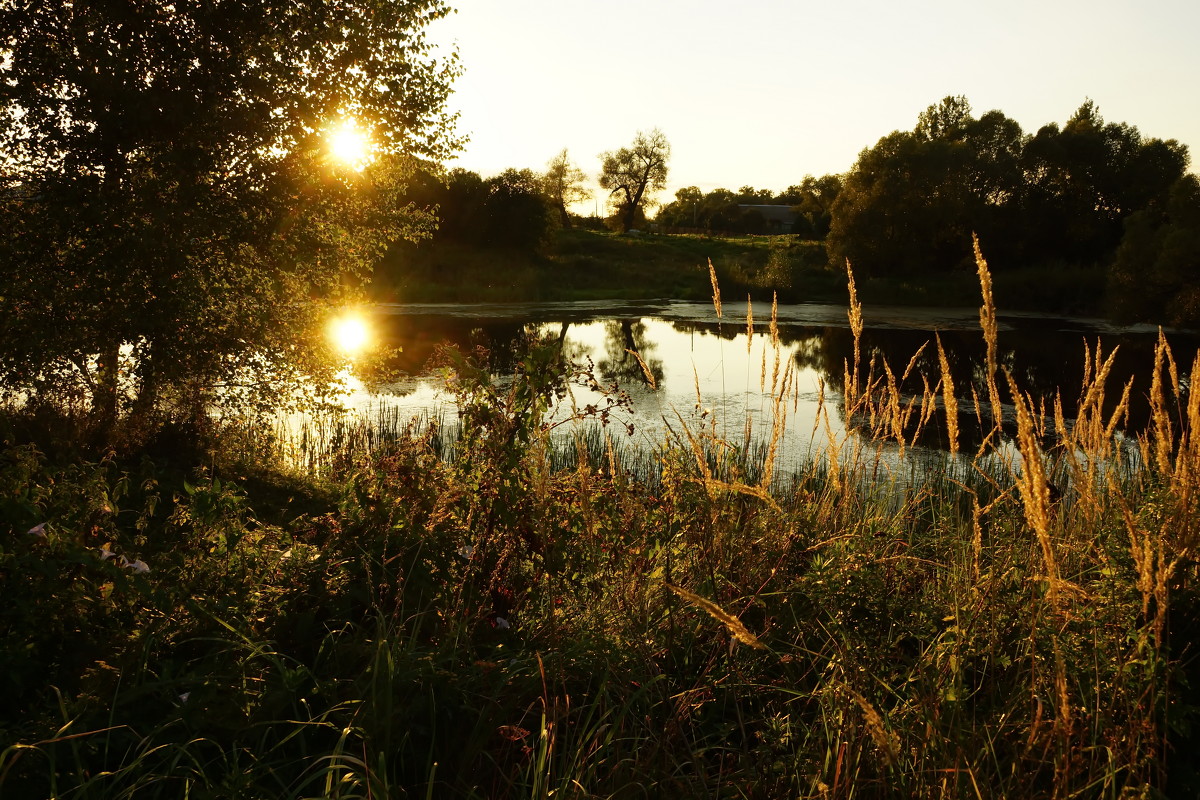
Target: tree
813,202
1155,275
460,204
684,210
911,203
1085,179
508,211
168,198
630,173
563,183
748,195
946,120
518,215
716,211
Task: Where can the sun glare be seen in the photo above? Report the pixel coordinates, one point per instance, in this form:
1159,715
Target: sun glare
350,334
349,144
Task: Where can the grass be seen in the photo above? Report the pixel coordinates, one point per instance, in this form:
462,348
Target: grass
594,265
510,611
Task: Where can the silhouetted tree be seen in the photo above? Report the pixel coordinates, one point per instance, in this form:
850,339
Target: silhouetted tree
563,184
813,201
517,213
1156,273
911,202
633,173
1084,179
509,210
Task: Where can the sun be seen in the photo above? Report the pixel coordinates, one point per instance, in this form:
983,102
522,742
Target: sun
349,144
349,333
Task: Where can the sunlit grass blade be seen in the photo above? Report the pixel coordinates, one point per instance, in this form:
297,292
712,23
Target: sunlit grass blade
732,623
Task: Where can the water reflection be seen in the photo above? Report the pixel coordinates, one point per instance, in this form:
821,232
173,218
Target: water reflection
687,351
625,342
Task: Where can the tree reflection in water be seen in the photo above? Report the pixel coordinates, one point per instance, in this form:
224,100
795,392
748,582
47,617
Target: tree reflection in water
626,341
1044,356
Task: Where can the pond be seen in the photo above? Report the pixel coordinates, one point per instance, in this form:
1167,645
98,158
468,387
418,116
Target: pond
722,375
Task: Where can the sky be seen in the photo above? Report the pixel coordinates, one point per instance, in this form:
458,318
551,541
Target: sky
763,92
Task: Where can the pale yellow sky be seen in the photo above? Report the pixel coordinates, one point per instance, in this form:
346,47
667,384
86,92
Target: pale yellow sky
763,92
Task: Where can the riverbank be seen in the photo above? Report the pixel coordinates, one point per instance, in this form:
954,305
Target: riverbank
576,265
594,265
497,617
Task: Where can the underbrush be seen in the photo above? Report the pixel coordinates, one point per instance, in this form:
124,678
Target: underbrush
506,615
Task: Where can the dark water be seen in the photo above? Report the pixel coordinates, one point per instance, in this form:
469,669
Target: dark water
689,350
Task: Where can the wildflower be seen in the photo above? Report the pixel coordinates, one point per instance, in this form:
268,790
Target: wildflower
501,624
106,551
38,530
139,567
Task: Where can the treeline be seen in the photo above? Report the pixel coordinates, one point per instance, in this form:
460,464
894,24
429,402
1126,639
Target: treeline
724,211
508,211
519,208
1062,195
1093,198
1090,214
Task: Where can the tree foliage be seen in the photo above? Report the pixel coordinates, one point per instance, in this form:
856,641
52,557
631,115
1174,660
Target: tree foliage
1084,179
911,202
1156,272
813,201
167,191
632,173
510,211
563,184
724,211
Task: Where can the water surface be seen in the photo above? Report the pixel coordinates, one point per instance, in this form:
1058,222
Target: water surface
720,374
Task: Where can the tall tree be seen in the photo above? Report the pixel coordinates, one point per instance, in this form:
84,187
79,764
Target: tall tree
633,172
1085,178
563,183
946,121
168,192
1155,275
911,202
518,215
509,210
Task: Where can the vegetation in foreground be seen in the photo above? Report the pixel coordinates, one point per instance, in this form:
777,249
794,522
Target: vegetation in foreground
510,615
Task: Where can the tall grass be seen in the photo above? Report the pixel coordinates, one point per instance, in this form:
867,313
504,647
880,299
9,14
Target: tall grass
496,608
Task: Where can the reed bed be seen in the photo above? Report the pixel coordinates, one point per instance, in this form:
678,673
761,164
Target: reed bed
496,609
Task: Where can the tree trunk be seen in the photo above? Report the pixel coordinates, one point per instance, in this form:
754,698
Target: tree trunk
628,217
147,396
104,395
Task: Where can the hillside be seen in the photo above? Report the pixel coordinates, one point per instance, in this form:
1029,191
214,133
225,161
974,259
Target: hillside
591,265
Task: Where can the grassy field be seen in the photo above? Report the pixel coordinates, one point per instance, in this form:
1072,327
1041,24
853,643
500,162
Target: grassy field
592,265
494,613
